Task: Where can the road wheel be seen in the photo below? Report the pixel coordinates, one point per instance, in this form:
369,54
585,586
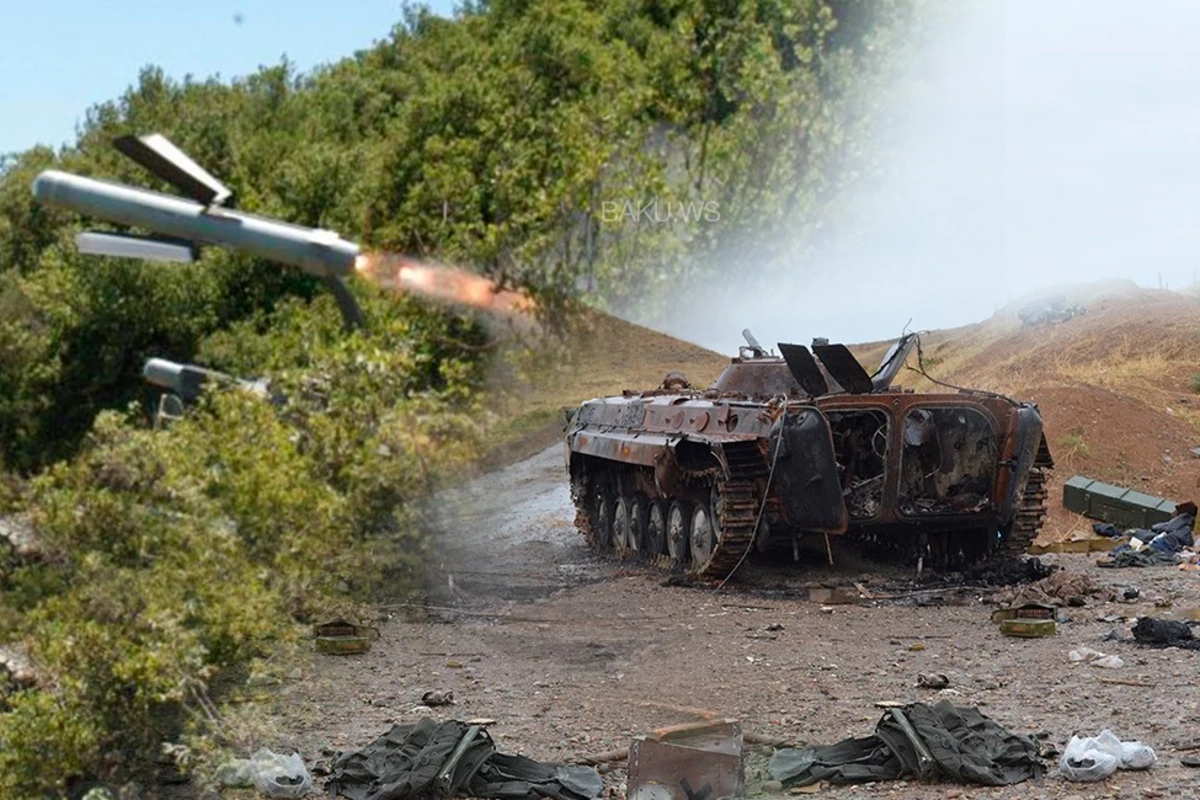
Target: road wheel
656,529
604,520
621,538
638,511
679,528
703,538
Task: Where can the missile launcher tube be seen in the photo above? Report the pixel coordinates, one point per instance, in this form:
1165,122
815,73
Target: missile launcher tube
318,252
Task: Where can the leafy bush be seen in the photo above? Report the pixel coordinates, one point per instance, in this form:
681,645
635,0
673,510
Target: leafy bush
173,555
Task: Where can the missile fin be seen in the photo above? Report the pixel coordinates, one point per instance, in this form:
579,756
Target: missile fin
161,158
127,245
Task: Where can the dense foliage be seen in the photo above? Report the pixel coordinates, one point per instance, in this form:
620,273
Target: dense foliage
612,149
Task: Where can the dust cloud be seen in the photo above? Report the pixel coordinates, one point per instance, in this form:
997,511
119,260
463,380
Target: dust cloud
1030,145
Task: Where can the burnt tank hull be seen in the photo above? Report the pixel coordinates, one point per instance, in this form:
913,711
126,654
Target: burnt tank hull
777,449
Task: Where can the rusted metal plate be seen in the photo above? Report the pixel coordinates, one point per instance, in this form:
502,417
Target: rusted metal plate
630,448
696,762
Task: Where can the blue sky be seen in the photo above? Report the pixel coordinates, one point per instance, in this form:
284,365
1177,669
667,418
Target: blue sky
59,57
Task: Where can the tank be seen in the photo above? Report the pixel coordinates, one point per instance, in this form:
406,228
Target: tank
783,448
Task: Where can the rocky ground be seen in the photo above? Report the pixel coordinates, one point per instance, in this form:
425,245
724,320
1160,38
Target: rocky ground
571,655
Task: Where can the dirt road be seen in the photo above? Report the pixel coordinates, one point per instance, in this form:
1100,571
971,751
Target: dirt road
508,535
572,655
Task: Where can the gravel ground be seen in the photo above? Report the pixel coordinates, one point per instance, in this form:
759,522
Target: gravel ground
572,655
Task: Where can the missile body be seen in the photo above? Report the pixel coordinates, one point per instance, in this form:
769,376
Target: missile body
319,252
188,380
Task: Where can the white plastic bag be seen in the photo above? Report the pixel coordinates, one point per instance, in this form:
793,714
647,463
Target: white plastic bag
1135,755
1095,758
1085,760
280,776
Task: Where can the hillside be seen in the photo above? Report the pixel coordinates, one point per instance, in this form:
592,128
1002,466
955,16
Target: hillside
1114,385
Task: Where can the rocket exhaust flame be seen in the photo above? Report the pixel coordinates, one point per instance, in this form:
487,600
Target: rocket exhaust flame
447,284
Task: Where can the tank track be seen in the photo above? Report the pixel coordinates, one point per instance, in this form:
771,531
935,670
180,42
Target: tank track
1031,513
737,510
583,517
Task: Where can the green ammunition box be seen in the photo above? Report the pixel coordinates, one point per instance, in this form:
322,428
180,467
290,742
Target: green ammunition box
1125,508
343,645
1027,627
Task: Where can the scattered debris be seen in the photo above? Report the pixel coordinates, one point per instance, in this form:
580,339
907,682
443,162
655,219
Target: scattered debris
1094,658
1095,758
272,774
836,595
342,637
932,681
1062,588
1163,543
1082,543
1108,662
1028,620
919,741
688,762
438,697
1146,557
451,758
1157,632
1123,682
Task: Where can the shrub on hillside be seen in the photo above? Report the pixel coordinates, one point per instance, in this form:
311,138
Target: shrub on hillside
179,554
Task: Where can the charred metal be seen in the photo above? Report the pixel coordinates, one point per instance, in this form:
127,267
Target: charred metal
781,447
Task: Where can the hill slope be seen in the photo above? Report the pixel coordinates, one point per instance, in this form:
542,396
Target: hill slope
1115,386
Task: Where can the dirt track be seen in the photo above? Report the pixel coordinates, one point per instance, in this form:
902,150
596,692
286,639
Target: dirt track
571,655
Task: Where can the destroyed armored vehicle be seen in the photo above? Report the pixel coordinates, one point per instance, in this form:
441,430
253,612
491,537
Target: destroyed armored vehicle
806,443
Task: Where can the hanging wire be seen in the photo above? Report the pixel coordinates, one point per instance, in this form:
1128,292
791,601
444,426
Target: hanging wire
761,508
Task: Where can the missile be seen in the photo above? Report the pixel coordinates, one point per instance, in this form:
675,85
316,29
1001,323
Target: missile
319,252
188,380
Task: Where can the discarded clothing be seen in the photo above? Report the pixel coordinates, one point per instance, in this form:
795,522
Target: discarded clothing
1169,537
918,741
1123,556
1164,633
1107,529
404,763
1175,534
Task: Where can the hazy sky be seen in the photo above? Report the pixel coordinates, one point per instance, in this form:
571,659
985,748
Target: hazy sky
59,57
1037,143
